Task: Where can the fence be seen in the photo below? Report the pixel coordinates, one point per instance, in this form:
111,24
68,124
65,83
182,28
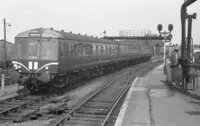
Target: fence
6,82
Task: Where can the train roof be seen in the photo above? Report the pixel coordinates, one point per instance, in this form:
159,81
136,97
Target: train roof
50,33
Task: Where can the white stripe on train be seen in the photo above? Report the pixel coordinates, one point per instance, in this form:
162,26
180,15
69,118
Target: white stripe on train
15,62
48,64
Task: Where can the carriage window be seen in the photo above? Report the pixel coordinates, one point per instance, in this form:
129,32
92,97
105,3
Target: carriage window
84,50
106,50
93,50
52,51
44,51
101,51
72,49
90,50
110,50
79,50
75,50
87,50
97,50
69,45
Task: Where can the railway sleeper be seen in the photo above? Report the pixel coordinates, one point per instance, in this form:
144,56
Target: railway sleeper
24,116
74,122
96,111
80,115
98,104
90,118
12,109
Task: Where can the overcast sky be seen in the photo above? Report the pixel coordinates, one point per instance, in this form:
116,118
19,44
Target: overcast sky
92,17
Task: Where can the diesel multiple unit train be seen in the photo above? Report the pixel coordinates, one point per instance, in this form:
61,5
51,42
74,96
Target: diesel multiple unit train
50,59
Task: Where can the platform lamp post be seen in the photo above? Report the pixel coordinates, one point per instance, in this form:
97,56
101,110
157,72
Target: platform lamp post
165,34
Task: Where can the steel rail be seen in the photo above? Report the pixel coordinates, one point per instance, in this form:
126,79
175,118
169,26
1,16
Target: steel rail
15,107
122,93
70,114
119,97
117,101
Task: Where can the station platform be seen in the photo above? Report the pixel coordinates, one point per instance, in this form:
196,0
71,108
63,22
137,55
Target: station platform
151,101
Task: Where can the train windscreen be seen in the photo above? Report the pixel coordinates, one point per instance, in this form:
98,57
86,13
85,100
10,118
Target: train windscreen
33,50
36,50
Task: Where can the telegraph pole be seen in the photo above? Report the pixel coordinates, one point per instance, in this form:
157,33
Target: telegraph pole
3,75
4,20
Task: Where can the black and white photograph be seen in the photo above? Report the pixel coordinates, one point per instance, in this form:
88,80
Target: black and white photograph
100,63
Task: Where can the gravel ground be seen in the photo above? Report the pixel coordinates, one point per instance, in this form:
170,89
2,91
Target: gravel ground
75,96
9,91
9,88
79,94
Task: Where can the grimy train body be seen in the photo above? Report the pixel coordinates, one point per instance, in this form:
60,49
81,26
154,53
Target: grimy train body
46,58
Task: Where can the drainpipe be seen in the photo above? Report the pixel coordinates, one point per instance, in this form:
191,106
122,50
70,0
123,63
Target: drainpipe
183,60
183,19
189,37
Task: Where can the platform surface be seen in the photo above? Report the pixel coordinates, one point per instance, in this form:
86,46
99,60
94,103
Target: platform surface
152,102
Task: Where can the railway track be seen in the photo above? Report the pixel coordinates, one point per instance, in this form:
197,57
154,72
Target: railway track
28,107
19,108
99,108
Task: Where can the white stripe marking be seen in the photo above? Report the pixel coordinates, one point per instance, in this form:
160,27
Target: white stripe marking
15,62
122,112
48,64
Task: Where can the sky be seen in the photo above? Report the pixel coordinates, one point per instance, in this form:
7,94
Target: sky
92,17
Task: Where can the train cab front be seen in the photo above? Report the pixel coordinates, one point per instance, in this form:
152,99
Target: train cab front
35,61
36,77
